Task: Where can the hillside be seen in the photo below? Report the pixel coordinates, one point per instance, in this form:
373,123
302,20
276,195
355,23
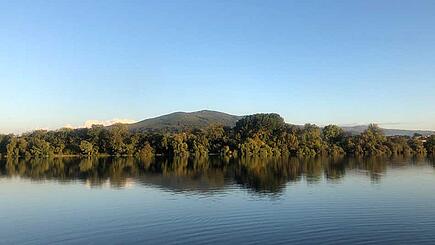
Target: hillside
388,132
185,120
179,121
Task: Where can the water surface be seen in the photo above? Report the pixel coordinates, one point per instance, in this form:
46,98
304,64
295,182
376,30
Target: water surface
220,201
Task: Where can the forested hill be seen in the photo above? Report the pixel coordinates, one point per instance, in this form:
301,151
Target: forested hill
179,121
259,134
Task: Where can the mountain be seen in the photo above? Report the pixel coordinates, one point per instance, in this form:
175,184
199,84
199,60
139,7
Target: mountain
185,120
388,132
178,121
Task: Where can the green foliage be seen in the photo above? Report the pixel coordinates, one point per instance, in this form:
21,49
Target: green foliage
333,134
417,146
334,138
178,145
146,151
117,134
217,138
372,142
255,135
12,149
99,136
398,145
40,148
250,125
288,141
255,146
87,148
430,145
4,141
198,143
311,142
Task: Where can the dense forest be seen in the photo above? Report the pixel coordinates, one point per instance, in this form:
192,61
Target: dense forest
258,134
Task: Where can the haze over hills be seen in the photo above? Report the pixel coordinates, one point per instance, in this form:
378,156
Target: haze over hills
178,121
388,132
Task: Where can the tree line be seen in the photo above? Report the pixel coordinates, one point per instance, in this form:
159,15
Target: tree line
254,135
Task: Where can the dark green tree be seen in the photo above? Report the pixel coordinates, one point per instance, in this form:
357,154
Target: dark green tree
87,148
430,145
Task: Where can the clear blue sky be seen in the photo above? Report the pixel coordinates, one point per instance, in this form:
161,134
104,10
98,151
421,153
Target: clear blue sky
341,62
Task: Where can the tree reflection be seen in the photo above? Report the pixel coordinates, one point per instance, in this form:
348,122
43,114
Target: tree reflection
203,173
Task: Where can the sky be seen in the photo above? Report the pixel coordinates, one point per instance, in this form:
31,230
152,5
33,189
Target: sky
325,62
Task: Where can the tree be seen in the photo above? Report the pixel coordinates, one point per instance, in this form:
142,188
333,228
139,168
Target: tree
399,145
40,148
255,146
417,146
258,134
66,141
198,143
290,140
178,145
146,151
250,125
310,142
334,137
372,141
11,148
333,134
86,148
118,133
217,138
4,141
430,145
100,138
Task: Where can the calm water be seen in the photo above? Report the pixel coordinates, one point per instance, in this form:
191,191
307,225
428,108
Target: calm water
273,201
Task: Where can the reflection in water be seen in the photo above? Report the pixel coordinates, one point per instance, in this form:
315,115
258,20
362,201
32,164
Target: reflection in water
261,175
219,201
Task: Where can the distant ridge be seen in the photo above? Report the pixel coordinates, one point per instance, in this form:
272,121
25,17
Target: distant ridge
185,120
388,132
179,121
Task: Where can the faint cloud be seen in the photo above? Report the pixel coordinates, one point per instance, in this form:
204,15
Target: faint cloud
41,128
393,123
89,123
352,124
69,126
